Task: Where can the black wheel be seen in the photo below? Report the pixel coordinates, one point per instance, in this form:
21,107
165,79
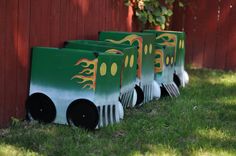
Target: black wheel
140,95
41,108
82,113
177,80
164,92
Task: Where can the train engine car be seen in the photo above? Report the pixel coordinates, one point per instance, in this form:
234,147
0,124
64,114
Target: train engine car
130,95
164,70
74,87
145,64
177,40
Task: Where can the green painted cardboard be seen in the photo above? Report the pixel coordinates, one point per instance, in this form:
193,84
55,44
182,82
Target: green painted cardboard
145,43
175,39
128,74
66,75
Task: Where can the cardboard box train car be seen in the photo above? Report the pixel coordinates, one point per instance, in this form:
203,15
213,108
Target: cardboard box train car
71,86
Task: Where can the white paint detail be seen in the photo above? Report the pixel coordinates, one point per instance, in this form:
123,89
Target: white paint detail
185,78
183,75
62,98
156,90
172,89
135,98
121,110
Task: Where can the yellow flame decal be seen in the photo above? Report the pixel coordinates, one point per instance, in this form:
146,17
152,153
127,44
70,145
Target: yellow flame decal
113,51
170,41
87,76
131,39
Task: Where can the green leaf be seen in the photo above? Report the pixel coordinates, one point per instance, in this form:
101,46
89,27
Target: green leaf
142,16
150,18
164,10
157,12
169,12
169,2
161,19
127,2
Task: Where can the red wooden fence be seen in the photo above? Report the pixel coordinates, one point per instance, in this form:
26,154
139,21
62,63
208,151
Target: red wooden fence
211,32
27,23
210,28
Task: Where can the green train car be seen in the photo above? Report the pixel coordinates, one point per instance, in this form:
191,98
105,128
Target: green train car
72,86
145,59
129,93
164,70
174,39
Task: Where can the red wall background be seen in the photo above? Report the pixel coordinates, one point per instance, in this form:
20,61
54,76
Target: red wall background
210,28
27,23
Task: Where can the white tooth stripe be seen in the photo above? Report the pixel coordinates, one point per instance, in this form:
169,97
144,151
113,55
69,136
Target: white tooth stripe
130,99
167,89
171,90
145,93
100,117
106,116
125,100
117,113
111,115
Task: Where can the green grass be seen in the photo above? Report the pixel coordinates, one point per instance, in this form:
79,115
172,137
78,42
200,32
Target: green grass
202,121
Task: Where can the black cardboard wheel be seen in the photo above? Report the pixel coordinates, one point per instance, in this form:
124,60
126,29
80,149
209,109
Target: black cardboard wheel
140,95
177,80
82,113
164,92
41,108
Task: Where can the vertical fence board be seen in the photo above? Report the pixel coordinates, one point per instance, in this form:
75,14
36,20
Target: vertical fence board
90,25
189,27
40,23
101,15
199,33
177,20
80,19
222,34
230,59
10,84
22,55
72,19
55,23
123,16
64,25
210,35
2,60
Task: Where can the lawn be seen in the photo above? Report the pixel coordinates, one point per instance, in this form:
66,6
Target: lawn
202,121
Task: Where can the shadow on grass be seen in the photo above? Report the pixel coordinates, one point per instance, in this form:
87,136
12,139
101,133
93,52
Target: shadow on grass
201,119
